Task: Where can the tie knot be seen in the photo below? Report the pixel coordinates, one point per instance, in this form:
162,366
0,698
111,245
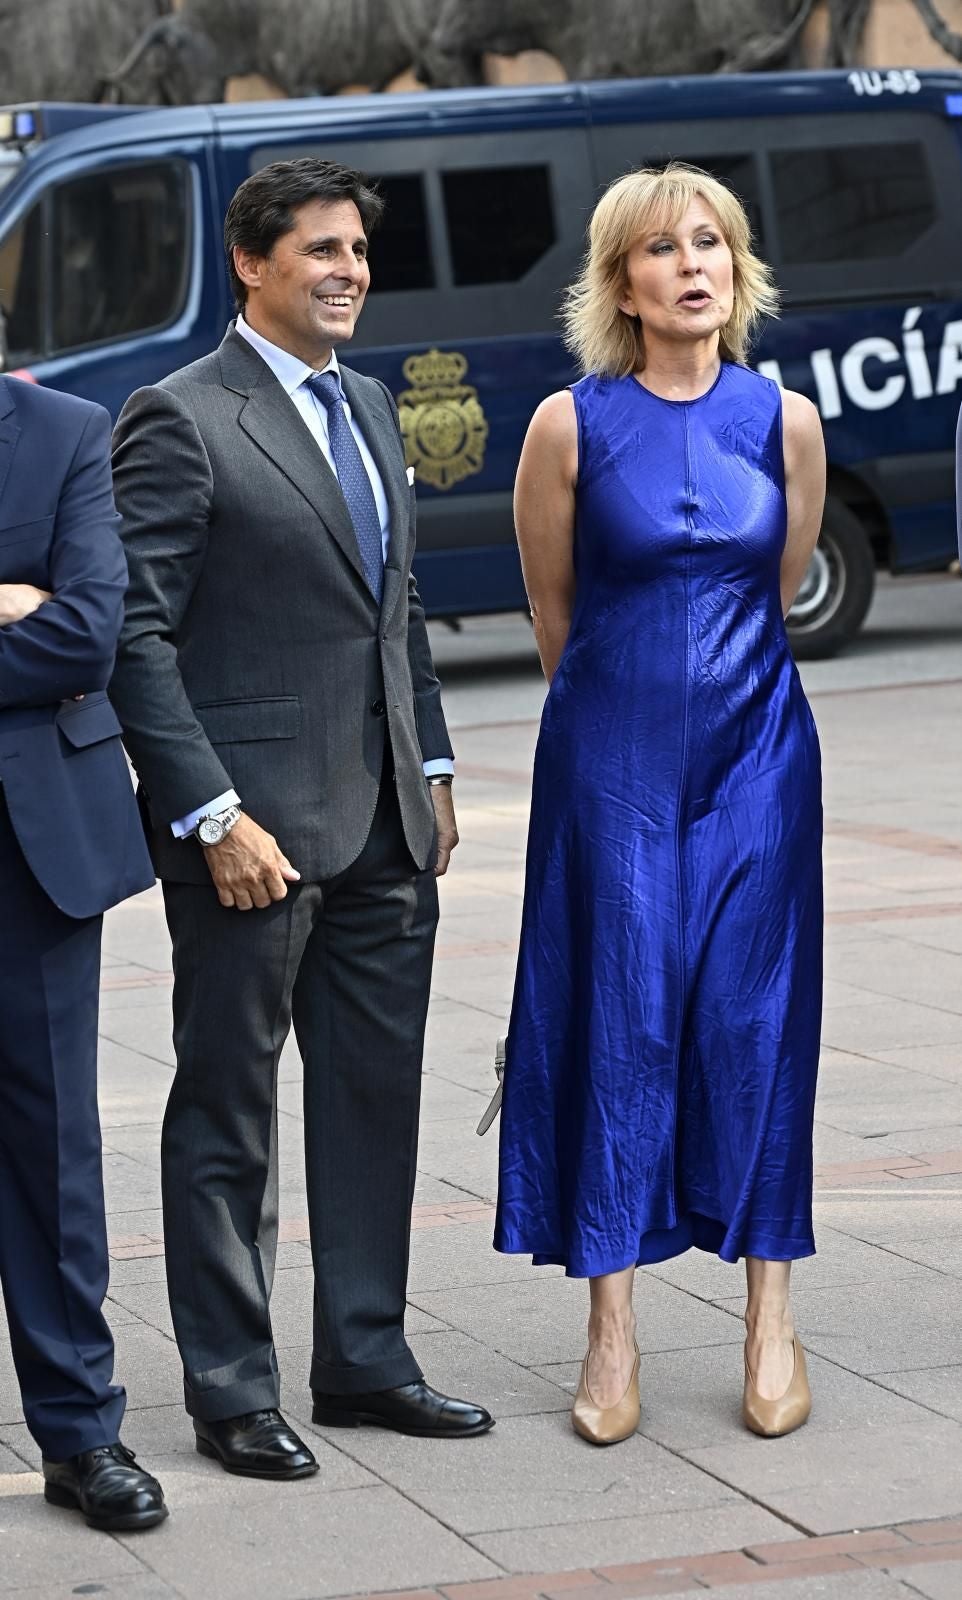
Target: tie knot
327,387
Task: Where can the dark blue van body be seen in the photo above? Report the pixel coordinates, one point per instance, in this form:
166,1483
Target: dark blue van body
112,275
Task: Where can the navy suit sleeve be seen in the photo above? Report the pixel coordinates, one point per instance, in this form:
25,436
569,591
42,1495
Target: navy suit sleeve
958,482
432,729
66,647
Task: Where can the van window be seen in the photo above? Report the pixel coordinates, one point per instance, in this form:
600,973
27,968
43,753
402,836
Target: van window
400,250
853,203
500,221
739,174
20,289
120,255
102,257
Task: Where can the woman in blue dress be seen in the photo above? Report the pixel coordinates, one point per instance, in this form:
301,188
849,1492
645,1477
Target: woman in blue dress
663,1044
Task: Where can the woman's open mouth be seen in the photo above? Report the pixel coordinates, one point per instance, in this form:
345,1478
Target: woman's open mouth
695,298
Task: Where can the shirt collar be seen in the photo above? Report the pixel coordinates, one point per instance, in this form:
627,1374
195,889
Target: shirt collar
290,371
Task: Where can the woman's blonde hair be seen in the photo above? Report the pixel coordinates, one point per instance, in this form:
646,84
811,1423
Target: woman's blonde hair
606,339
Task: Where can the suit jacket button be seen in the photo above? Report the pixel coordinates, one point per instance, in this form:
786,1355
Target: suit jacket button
377,707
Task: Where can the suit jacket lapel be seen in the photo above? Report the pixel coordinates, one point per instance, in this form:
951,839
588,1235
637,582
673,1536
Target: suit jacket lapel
270,419
9,430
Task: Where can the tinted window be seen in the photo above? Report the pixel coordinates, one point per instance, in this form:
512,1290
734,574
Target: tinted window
119,261
20,289
737,173
863,203
400,252
500,221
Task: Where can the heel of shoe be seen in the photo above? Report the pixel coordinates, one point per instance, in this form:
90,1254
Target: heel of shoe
205,1448
56,1496
329,1418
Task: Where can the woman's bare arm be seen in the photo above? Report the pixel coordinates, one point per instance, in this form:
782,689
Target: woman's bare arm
544,514
804,455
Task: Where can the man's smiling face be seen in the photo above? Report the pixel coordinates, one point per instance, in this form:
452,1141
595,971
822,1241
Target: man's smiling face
306,296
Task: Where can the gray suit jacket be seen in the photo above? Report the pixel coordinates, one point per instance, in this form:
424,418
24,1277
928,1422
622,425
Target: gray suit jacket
253,655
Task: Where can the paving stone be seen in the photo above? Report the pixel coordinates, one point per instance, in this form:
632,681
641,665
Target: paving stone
533,1471
129,1185
940,1580
545,1319
42,1545
10,1464
836,1145
133,1088
833,1481
443,1101
939,1388
163,1438
843,1586
461,1366
470,1163
841,1261
692,1399
11,1410
430,1191
463,1257
877,1098
147,1363
125,1587
340,1544
935,1060
605,1541
905,1324
140,1142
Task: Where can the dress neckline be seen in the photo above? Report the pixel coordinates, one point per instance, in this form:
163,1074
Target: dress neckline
698,398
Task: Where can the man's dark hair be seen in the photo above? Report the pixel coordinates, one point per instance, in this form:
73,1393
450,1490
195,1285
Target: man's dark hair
263,208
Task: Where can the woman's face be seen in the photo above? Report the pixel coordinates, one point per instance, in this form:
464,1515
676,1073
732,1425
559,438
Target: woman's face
680,282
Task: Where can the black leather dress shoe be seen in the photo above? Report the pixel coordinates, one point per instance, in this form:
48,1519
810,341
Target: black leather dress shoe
258,1445
414,1408
108,1487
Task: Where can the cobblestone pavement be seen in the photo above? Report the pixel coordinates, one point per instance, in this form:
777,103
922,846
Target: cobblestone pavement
864,1502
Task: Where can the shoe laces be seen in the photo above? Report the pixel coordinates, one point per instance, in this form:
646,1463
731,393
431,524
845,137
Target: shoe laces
114,1452
260,1419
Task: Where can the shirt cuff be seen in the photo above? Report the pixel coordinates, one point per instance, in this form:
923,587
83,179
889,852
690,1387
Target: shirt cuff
433,769
185,825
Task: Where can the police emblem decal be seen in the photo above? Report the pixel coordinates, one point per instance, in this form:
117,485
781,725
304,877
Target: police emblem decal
442,420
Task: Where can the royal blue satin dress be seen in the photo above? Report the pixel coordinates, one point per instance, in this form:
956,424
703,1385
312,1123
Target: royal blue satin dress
663,1042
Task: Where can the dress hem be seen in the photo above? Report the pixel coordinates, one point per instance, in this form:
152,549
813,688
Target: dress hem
694,1231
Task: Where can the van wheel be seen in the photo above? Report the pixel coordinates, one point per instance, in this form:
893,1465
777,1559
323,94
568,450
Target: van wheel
837,588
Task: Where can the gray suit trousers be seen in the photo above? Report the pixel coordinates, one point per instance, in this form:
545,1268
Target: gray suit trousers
349,961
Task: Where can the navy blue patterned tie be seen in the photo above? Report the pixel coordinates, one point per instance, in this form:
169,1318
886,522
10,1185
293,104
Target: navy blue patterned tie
353,478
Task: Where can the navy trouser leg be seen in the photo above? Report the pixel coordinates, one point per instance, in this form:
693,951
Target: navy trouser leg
53,1236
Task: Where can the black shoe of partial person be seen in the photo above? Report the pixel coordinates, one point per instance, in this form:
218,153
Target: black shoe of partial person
414,1408
258,1445
107,1485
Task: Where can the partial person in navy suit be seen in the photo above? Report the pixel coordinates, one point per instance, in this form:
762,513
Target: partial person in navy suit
71,845
958,481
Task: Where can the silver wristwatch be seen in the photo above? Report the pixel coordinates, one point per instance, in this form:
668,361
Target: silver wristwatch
214,830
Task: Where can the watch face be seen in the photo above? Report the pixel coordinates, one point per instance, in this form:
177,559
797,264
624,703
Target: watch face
210,831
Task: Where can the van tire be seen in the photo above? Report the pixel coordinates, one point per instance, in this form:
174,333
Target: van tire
837,588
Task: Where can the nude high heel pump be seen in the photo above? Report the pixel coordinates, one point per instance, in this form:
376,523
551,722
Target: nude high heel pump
611,1425
773,1418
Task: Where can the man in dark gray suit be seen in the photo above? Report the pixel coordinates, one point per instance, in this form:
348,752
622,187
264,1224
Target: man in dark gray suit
280,705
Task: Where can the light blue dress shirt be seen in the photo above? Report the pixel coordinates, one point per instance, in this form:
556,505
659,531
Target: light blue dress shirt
292,374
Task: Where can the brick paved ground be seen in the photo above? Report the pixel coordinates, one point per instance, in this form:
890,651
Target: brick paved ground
865,1502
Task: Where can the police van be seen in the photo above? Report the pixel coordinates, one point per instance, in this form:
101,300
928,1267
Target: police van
112,275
